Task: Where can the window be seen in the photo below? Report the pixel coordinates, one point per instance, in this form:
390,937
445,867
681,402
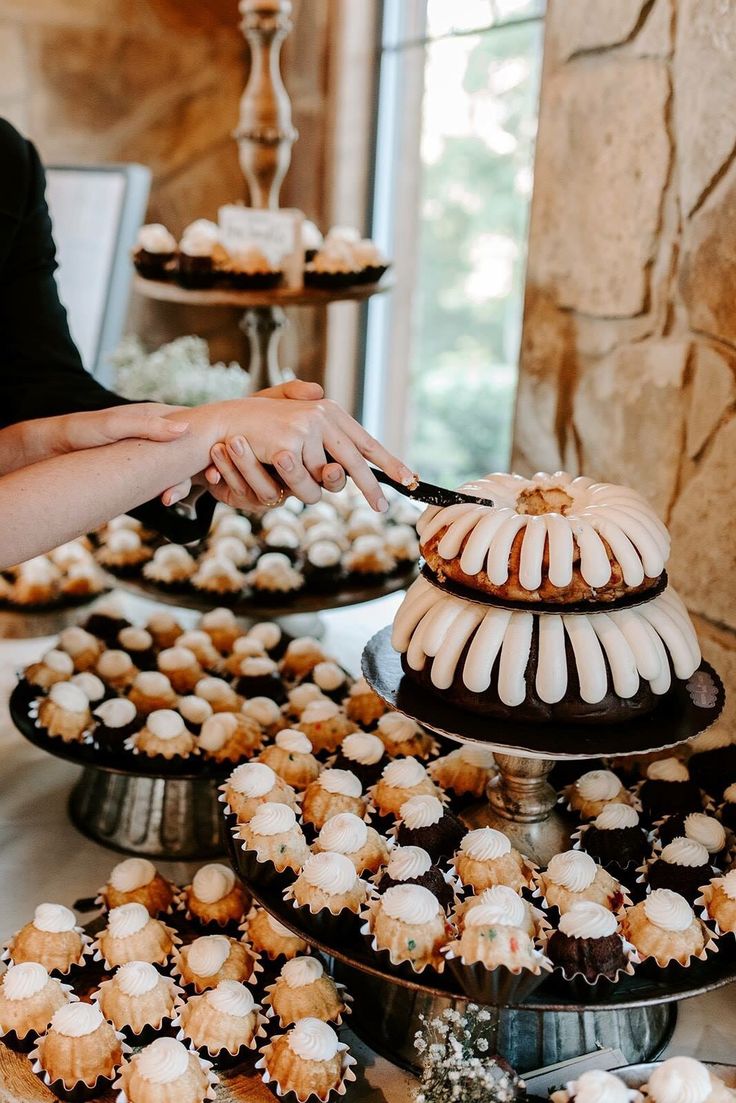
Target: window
453,178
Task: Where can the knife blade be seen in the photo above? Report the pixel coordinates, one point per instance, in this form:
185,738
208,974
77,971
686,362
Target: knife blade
430,494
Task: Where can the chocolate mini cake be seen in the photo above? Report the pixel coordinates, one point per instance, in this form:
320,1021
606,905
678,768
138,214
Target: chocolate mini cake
106,621
115,721
362,753
426,823
411,865
714,768
587,942
543,667
259,677
616,839
706,830
684,866
668,790
727,811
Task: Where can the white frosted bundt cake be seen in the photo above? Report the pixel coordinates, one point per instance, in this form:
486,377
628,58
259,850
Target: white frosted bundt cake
551,538
603,667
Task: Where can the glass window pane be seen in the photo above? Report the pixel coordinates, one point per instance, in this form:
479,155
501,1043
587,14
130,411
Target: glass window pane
479,123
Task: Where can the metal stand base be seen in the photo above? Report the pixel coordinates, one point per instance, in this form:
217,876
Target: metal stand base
527,1039
174,819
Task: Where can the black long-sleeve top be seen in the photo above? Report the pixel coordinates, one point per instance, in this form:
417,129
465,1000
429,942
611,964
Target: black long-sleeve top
41,373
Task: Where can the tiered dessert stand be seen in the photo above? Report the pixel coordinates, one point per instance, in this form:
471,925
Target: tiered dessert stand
550,1025
265,135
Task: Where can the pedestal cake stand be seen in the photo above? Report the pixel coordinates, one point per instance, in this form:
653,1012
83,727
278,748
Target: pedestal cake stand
168,811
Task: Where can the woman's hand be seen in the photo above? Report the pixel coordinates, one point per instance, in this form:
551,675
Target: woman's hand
140,420
310,443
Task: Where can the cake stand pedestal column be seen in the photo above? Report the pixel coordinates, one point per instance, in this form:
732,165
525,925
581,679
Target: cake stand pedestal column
263,326
174,819
523,805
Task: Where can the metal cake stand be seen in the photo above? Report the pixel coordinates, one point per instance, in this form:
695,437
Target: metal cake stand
168,811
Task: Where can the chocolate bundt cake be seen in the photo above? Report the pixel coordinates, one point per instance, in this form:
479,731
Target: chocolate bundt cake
602,667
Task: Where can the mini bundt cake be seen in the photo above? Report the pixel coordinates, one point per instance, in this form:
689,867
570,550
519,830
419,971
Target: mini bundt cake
551,538
602,667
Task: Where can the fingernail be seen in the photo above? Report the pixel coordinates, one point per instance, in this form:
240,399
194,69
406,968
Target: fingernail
409,478
286,462
179,426
237,446
174,497
213,478
332,476
218,452
381,505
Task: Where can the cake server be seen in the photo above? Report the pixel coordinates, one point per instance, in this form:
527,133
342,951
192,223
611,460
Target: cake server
430,494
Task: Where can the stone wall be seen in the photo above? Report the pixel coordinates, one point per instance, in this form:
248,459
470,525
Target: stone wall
159,82
629,345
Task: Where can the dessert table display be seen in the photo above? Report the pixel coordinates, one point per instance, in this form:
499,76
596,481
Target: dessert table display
623,678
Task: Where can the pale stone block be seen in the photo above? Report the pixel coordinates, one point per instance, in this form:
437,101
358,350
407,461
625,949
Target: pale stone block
577,26
708,267
713,393
703,528
602,162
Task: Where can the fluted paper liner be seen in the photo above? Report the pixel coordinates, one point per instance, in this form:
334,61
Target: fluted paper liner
325,920
342,991
189,987
151,1030
212,1080
498,986
586,989
703,902
80,1089
409,967
160,965
538,894
23,1043
84,957
347,1076
224,1058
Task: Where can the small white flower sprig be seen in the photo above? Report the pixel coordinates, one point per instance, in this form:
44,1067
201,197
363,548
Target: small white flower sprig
179,373
457,1062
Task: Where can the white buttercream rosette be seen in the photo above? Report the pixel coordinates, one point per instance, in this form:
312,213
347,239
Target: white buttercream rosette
330,872
252,953
579,867
130,921
142,865
348,1061
229,1006
686,849
212,1078
139,980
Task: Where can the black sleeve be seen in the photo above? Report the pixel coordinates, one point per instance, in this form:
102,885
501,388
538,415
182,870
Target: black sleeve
41,373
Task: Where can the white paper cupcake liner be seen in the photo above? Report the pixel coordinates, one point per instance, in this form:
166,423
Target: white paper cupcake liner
348,1076
161,965
343,993
498,986
220,1054
703,902
212,1081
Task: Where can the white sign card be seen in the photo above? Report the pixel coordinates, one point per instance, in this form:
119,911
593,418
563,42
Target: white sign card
278,234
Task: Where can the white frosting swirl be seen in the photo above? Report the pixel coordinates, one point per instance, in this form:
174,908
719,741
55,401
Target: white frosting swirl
277,927
729,794
423,810
135,639
257,666
117,713
267,633
207,955
165,724
668,769
404,773
397,728
54,918
273,819
213,689
340,782
301,971
318,711
177,658
411,904
728,884
230,997
152,683
263,710
406,863
163,1062
328,676
485,844
302,696
588,920
132,874
162,623
252,779
194,709
598,785
504,904
68,697
304,646
599,1086
363,748
344,833
200,238
127,920
476,755
679,1080
323,553
245,647
114,664
219,618
136,978
217,730
360,688
685,852
77,1020
668,910
705,830
294,741
155,238
572,869
59,662
313,1040
75,640
616,817
22,982
332,873
212,883
123,541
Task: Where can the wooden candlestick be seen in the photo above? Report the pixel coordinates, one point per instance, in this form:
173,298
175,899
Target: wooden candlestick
265,132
